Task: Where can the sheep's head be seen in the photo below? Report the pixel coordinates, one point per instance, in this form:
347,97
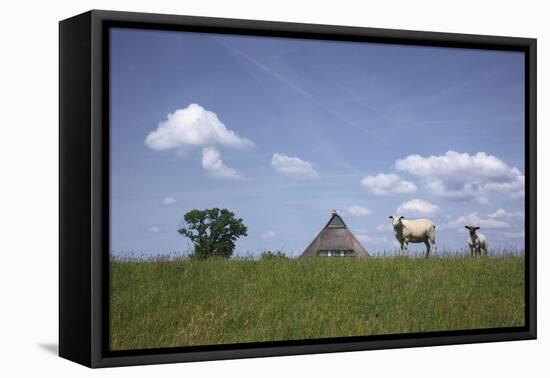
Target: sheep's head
472,229
396,220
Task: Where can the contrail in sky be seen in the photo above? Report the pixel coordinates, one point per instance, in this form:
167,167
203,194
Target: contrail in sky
300,90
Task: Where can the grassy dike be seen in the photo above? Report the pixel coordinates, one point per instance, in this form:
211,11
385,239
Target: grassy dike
190,302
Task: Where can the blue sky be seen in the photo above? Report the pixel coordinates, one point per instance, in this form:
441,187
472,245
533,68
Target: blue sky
282,131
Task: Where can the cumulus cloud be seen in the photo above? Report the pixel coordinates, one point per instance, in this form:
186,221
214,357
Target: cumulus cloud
212,162
268,235
193,126
461,176
501,213
169,201
382,184
358,211
154,229
498,214
417,207
484,222
293,166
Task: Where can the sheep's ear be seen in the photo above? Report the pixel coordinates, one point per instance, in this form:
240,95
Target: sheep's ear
390,217
401,217
467,227
476,228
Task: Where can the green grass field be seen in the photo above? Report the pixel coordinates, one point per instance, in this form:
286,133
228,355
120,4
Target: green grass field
190,302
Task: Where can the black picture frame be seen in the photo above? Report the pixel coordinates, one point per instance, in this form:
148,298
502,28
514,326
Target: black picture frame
84,187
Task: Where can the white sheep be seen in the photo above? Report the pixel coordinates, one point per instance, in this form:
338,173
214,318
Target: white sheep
476,242
414,231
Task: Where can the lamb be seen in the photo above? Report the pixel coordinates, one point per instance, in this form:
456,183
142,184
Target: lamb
476,242
414,231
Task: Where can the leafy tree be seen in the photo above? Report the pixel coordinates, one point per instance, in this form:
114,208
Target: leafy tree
213,232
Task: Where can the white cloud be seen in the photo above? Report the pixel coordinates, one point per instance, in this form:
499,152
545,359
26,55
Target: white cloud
501,213
293,166
417,207
268,235
154,229
498,214
460,176
484,222
212,162
193,126
383,184
169,200
358,211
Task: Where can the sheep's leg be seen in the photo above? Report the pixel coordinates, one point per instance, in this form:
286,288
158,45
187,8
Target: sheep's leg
472,251
427,242
406,247
434,246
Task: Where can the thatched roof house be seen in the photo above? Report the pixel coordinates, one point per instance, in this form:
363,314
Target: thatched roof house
335,239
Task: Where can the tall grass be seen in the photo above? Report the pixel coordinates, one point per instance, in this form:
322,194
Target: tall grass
184,302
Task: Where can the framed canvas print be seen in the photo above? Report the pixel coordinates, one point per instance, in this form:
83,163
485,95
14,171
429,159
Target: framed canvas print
233,188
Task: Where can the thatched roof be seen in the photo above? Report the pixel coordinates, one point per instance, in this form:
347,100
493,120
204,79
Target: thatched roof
335,238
